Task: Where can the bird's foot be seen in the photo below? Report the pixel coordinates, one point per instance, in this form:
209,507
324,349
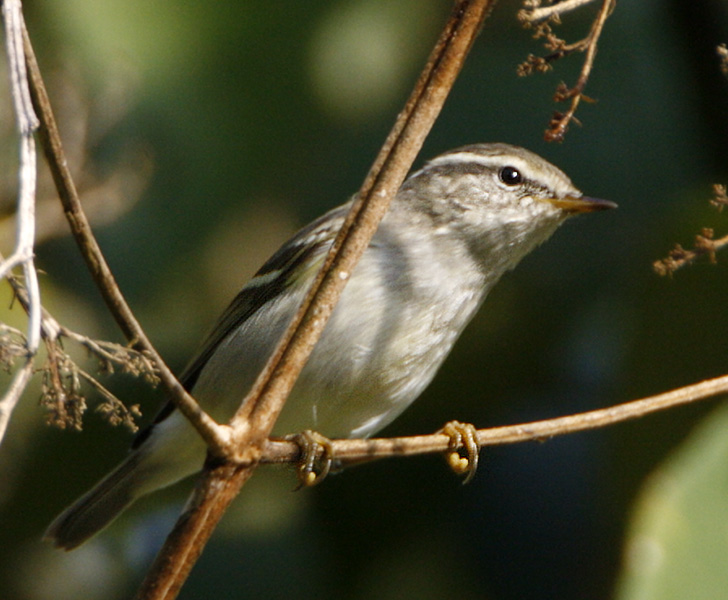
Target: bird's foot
317,455
462,455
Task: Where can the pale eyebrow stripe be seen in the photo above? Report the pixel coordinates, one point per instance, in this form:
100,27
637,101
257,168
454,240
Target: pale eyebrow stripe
471,157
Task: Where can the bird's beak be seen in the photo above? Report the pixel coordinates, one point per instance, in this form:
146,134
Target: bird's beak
584,204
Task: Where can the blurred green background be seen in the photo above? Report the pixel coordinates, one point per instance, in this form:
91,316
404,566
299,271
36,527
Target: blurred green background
204,134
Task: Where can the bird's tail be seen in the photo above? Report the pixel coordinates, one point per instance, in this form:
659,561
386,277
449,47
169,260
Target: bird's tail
172,452
99,506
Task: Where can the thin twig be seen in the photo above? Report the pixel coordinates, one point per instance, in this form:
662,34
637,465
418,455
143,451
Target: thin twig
23,254
27,124
541,20
49,327
216,436
541,13
62,376
219,485
356,451
113,409
560,121
678,257
705,242
13,394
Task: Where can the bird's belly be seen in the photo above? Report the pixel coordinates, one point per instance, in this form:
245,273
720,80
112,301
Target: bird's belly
380,349
360,378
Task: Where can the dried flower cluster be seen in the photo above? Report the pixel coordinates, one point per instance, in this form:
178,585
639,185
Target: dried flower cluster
12,346
541,20
705,243
62,379
61,390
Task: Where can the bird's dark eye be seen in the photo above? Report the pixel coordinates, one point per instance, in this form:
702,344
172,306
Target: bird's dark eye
510,176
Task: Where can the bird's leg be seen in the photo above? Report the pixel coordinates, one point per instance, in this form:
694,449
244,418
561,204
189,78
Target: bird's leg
463,439
317,454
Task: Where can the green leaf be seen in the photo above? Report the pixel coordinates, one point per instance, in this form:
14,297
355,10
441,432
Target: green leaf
677,545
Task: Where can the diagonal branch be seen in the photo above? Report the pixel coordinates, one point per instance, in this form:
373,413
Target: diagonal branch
216,436
263,403
254,421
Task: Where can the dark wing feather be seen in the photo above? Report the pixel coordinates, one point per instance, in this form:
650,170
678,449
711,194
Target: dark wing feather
278,272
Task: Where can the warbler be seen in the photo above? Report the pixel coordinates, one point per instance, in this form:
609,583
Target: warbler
452,230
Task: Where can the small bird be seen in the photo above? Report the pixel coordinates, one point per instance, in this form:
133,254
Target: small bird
453,229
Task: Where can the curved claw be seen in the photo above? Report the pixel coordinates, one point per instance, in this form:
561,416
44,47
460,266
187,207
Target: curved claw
465,436
317,454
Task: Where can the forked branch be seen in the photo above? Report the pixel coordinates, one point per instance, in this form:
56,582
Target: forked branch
541,20
62,378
